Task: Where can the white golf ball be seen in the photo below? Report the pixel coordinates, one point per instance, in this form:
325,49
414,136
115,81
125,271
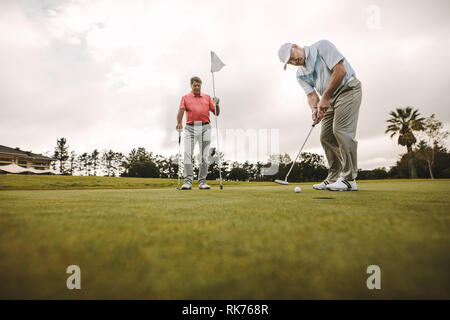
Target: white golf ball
297,190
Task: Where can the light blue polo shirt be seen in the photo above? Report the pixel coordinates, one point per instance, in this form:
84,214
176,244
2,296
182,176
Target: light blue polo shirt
321,57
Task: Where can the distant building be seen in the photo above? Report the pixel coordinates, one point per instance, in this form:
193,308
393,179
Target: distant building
24,159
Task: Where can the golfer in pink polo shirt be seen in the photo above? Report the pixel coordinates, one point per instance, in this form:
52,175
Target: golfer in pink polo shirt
197,106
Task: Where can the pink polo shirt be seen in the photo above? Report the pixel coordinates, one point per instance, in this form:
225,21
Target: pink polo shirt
197,108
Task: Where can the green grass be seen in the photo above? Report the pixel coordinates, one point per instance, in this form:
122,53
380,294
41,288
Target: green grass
248,241
33,182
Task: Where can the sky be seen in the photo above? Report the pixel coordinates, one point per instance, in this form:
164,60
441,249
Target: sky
111,74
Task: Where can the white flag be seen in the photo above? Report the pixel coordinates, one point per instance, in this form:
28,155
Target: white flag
216,63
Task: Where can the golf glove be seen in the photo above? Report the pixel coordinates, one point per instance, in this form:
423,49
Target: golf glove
216,101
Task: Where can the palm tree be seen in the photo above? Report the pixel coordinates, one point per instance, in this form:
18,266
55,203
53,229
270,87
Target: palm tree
404,122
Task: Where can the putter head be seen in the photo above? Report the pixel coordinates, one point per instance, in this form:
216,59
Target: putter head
284,182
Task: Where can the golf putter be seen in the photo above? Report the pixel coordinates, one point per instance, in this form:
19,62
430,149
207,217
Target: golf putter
285,182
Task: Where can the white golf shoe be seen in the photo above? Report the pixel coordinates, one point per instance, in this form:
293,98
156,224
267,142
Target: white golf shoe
322,186
186,186
343,185
203,186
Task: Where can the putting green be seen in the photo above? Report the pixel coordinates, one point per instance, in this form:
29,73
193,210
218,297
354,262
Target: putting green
248,241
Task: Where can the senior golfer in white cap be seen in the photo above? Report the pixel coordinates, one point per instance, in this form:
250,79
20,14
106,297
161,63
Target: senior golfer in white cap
323,70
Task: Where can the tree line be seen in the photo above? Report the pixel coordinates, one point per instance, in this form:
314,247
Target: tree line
143,163
107,163
425,157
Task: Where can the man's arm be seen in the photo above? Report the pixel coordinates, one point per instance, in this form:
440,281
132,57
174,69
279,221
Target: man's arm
180,119
313,100
337,75
215,102
217,110
311,95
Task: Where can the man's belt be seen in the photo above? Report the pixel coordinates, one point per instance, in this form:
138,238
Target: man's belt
192,124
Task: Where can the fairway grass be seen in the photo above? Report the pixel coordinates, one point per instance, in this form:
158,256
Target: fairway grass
248,241
33,182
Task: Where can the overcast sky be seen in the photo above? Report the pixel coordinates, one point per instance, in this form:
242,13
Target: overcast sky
110,74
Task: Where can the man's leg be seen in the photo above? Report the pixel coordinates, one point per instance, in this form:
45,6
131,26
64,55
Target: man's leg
204,147
188,151
331,146
344,127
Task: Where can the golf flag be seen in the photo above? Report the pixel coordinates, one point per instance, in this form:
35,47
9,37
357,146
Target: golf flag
216,63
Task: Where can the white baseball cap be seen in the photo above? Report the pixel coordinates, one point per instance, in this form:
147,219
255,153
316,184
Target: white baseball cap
284,53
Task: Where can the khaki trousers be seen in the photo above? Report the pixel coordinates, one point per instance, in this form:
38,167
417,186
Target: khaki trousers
339,130
200,134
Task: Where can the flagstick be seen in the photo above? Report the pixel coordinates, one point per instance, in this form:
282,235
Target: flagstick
217,134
